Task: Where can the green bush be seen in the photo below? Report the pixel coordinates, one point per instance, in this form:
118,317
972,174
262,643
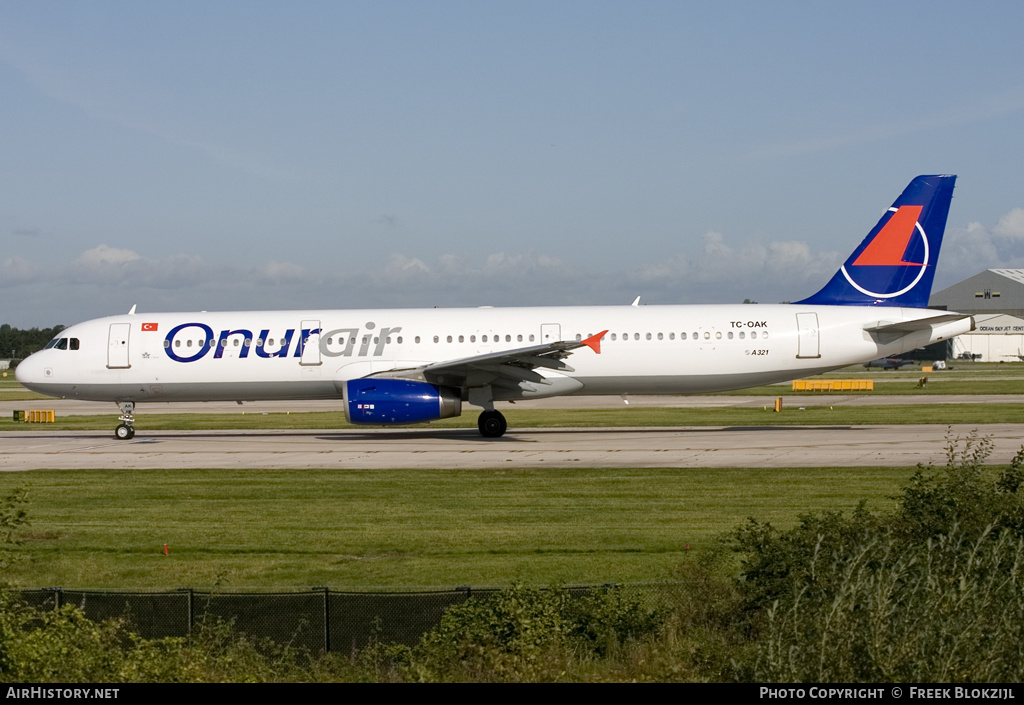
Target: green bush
63,646
948,610
932,592
524,634
13,516
965,494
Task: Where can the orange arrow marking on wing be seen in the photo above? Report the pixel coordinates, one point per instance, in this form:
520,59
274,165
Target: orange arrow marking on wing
594,342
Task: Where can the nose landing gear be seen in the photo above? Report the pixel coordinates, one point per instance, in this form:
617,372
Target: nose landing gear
125,431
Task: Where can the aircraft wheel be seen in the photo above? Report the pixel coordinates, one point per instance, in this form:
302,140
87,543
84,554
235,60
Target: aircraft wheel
492,424
124,432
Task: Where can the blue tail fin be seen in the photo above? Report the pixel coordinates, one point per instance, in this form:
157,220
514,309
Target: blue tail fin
895,264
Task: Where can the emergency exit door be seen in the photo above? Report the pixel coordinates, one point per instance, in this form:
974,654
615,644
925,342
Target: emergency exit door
808,343
117,346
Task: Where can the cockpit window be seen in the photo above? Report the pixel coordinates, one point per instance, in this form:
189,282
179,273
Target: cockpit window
63,344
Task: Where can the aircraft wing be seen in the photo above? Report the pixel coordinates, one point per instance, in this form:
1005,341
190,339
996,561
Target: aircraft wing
506,368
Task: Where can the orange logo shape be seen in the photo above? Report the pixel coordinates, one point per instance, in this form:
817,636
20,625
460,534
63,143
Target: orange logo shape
890,244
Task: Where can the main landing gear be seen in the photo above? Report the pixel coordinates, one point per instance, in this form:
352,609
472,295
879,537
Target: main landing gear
125,431
492,424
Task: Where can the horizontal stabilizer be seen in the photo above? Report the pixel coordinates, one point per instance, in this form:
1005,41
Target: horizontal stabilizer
905,327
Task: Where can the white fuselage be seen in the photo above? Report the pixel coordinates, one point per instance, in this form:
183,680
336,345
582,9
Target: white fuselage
258,355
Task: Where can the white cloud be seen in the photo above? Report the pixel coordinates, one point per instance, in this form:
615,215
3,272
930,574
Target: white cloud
102,256
721,272
105,279
281,273
967,251
17,270
1011,225
119,267
400,266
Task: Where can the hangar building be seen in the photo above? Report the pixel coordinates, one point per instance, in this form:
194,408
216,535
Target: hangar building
995,298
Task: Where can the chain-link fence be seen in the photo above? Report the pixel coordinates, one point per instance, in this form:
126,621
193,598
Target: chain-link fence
318,619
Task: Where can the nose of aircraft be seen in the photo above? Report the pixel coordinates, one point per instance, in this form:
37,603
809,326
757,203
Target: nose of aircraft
32,371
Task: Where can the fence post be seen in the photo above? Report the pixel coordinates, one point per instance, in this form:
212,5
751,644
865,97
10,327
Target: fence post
57,597
190,607
327,617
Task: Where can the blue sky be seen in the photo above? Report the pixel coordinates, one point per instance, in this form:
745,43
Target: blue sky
198,155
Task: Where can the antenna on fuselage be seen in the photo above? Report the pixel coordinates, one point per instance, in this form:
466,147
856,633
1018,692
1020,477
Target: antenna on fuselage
132,312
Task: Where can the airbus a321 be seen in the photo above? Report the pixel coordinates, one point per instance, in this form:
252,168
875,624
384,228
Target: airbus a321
406,366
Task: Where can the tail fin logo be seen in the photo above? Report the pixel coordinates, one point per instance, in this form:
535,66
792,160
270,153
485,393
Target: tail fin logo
892,246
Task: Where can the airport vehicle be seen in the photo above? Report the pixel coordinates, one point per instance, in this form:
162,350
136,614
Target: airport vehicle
888,363
405,366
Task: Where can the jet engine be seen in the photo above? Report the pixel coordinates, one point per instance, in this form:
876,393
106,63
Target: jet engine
384,401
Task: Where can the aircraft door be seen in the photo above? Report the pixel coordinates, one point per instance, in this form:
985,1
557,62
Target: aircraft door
117,346
550,332
310,342
808,343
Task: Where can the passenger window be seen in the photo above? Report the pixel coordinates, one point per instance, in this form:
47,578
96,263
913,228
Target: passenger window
764,334
671,336
462,339
730,335
531,337
519,338
508,338
753,334
472,338
682,336
614,337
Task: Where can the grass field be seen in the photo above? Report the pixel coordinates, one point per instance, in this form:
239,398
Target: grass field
403,528
440,528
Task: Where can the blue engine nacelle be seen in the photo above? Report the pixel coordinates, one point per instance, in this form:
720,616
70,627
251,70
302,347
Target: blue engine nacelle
383,401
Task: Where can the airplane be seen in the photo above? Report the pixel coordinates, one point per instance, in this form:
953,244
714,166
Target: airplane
405,366
888,363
